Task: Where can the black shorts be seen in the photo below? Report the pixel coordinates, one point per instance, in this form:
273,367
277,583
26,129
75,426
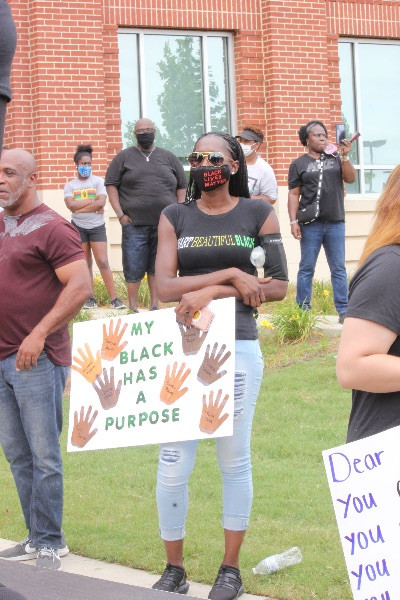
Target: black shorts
96,234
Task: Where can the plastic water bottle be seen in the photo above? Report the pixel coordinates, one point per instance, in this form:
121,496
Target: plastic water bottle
257,257
275,563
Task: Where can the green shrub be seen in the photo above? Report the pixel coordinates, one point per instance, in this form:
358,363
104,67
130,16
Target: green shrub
322,298
291,323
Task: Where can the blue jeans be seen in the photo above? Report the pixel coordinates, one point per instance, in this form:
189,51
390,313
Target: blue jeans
30,426
139,249
176,460
332,237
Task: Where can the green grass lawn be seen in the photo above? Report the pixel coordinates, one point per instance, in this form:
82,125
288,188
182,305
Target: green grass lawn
110,509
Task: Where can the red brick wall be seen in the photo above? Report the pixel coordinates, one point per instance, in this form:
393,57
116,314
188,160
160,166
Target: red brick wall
66,84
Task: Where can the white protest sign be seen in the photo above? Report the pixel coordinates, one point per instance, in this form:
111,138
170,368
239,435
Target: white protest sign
145,379
364,479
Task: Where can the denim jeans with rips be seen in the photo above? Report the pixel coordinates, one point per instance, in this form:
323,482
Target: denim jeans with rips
30,426
330,235
176,460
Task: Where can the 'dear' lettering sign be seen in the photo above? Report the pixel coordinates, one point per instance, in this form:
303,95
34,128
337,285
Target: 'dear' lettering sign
364,480
145,379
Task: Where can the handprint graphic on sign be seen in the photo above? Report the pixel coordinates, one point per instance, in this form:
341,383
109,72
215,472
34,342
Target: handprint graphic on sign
209,368
81,433
192,339
211,419
88,367
112,346
171,389
107,392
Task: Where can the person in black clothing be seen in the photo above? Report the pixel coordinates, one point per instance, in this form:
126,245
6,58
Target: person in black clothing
369,352
327,229
203,240
142,180
8,44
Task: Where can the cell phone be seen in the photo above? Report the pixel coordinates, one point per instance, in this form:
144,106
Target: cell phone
203,318
340,133
354,137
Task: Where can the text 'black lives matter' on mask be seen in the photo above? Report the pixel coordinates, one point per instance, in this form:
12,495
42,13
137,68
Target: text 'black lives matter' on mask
210,178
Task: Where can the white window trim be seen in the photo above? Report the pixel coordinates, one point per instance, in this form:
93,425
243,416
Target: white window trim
362,166
206,99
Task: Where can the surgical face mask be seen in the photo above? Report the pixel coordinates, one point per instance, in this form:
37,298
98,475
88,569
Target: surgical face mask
247,150
84,170
145,139
210,178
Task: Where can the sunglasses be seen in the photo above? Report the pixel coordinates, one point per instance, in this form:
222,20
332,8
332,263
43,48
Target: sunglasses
216,159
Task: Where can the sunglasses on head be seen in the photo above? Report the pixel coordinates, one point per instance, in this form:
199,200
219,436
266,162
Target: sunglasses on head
216,159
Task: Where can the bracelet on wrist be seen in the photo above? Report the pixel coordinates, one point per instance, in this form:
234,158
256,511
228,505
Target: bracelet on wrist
293,222
344,159
123,215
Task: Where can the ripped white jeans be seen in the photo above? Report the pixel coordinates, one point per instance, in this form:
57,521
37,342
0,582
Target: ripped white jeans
176,460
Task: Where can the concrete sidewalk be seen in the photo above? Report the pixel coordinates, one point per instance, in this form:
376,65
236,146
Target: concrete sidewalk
80,565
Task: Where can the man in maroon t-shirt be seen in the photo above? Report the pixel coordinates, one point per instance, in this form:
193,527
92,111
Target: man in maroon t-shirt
44,281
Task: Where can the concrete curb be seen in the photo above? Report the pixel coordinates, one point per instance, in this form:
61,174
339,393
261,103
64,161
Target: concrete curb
80,565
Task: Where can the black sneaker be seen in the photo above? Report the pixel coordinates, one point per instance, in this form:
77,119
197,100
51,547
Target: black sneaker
228,584
341,318
172,580
90,303
117,304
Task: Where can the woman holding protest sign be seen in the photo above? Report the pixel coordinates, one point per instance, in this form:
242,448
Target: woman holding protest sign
217,204
369,351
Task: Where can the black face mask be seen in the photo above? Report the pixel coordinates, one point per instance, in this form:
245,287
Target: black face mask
210,178
145,139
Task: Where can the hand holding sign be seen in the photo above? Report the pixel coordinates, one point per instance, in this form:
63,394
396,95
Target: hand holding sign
81,433
106,391
89,368
192,339
112,346
211,418
171,391
208,372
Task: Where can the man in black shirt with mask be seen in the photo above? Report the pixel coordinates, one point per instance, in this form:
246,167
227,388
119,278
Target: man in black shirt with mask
141,181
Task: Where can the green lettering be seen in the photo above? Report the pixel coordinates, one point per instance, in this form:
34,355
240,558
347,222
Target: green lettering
142,418
131,420
140,398
153,417
165,415
144,354
175,414
109,422
153,351
133,359
123,358
117,425
149,326
153,373
140,376
128,378
167,348
136,329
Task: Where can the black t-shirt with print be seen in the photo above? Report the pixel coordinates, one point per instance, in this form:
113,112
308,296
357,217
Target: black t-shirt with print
374,294
208,243
304,173
145,187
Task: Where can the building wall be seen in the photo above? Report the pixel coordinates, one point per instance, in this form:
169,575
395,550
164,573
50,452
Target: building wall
65,82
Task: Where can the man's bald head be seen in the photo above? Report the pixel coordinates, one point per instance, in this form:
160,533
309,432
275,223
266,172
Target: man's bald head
22,160
17,181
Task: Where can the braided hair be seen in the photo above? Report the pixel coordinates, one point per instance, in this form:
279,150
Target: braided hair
81,150
305,130
238,183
